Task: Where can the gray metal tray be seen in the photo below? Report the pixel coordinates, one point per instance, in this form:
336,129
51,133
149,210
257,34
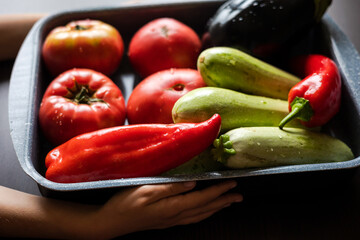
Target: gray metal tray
29,80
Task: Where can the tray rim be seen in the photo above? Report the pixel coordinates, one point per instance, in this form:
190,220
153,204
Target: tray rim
339,44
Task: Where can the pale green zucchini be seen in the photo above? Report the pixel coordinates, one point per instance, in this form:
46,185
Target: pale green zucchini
236,109
269,146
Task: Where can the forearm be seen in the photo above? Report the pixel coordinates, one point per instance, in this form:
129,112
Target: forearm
26,215
13,30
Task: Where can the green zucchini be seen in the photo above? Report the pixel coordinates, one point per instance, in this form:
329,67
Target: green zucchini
270,146
204,162
235,108
232,69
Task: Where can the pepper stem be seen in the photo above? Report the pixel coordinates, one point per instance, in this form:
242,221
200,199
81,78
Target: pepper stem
223,148
301,109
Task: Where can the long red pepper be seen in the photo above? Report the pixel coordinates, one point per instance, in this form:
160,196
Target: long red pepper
315,99
129,151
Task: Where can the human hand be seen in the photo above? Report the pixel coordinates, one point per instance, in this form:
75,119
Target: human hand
133,209
160,206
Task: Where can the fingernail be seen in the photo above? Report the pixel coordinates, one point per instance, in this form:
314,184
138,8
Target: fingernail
233,184
227,205
189,184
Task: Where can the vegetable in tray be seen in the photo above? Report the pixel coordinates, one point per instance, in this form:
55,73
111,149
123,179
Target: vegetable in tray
251,147
85,43
262,28
316,99
175,114
79,101
138,150
236,109
230,68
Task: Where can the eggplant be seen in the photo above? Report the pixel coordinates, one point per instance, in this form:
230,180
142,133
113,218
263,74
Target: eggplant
262,27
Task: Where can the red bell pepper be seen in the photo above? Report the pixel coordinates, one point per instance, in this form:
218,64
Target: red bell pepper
129,151
315,99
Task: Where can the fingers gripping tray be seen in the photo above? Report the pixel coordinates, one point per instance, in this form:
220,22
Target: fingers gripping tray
29,80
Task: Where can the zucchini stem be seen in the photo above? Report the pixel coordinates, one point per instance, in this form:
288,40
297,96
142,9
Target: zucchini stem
223,148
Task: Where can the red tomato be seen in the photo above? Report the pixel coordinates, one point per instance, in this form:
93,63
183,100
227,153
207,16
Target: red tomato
153,98
80,101
83,44
162,44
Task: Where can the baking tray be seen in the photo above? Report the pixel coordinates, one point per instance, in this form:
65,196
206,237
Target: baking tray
29,80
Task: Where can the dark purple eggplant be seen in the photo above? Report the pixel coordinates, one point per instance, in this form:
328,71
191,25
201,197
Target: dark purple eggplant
262,27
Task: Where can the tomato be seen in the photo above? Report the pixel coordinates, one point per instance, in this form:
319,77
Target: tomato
161,44
153,98
83,44
80,101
